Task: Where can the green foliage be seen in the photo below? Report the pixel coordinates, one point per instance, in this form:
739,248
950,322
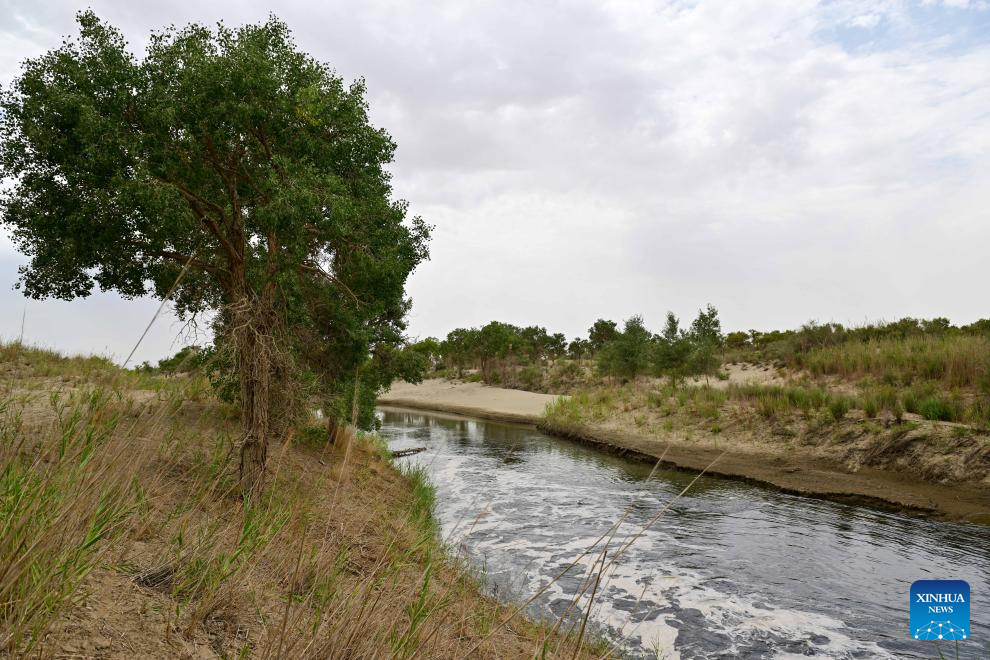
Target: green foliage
737,340
531,378
185,360
234,157
628,354
671,351
579,348
497,348
311,436
870,406
600,333
706,328
955,360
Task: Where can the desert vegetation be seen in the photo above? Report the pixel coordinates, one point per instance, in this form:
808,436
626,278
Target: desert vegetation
929,368
116,496
910,395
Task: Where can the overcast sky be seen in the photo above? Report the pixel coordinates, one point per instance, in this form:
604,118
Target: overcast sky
785,161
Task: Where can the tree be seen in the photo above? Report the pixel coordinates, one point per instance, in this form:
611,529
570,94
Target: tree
578,348
706,328
532,340
706,338
224,164
737,340
628,354
556,345
671,351
602,332
430,353
459,347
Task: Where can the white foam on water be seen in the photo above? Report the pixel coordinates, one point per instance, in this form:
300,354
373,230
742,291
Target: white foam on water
513,531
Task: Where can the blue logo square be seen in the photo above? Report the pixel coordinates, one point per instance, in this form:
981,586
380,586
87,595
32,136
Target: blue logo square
940,609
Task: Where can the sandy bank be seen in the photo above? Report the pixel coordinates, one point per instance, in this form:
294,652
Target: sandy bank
788,469
474,399
799,474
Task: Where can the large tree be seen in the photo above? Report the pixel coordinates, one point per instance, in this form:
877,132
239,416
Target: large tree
226,155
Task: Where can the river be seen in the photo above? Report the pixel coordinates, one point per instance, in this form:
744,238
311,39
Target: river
729,569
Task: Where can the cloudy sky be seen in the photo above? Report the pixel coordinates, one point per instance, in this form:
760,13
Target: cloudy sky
783,160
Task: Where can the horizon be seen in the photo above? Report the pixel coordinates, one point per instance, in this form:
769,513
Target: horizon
782,163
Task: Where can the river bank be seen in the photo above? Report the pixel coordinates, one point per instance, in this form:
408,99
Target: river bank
824,462
122,502
472,399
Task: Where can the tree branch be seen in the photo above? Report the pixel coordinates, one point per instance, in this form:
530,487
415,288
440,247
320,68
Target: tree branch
315,268
197,204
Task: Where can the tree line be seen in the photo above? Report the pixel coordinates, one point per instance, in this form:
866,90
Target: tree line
625,352
631,349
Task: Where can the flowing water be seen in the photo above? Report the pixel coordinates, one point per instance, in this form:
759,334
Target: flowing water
730,570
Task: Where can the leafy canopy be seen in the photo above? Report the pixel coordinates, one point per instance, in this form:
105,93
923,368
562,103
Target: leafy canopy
227,149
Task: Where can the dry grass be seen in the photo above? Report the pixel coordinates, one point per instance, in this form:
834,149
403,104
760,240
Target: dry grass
953,360
123,535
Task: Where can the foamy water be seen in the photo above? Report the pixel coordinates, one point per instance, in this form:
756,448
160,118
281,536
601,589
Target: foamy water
730,570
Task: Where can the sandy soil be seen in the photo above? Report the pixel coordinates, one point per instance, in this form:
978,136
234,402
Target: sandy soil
741,373
473,399
790,467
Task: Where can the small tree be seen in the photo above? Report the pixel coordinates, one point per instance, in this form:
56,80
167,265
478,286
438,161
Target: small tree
578,348
556,345
706,328
671,351
737,340
706,340
628,354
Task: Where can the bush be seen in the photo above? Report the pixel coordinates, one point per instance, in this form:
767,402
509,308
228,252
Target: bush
531,378
311,436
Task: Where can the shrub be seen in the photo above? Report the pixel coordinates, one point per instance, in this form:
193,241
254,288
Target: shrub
531,377
311,436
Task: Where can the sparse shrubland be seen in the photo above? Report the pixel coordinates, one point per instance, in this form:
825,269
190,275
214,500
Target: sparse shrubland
924,382
928,368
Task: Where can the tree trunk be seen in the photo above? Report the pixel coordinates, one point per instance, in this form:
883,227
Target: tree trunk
355,406
253,334
332,426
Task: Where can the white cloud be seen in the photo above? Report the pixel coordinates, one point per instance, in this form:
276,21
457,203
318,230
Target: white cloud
584,160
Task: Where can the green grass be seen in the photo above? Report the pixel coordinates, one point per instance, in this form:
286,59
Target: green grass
773,401
61,503
839,406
